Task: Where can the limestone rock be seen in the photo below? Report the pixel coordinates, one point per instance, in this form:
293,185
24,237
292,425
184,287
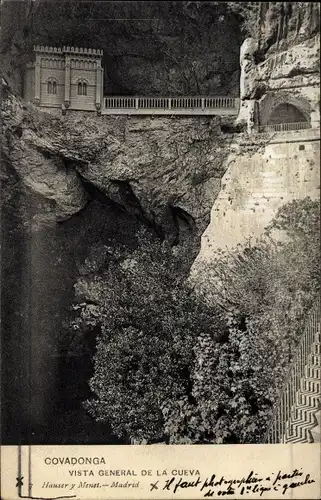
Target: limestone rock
281,59
263,174
248,67
160,169
302,59
282,25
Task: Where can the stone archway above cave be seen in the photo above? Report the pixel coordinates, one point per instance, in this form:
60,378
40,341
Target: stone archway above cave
286,113
284,108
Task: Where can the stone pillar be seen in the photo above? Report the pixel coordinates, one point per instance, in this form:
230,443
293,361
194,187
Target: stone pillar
37,79
252,115
67,82
98,85
315,116
248,83
102,86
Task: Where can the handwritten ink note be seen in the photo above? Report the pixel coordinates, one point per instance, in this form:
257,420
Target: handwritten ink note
281,482
164,472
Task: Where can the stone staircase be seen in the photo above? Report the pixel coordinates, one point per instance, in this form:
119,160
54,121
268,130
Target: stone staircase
297,415
303,426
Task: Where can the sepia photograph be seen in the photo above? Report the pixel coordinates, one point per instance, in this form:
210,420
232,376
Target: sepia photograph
160,224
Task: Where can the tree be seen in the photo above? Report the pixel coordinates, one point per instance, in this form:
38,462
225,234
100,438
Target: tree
149,321
268,291
169,365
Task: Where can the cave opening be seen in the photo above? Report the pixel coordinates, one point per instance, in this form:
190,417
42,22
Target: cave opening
286,113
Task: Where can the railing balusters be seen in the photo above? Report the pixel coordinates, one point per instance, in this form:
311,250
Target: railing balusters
167,103
284,127
287,396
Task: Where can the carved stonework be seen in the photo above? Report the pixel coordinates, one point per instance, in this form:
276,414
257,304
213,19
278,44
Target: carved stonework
67,66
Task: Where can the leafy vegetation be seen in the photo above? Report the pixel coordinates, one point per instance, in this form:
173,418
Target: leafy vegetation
267,291
172,365
150,321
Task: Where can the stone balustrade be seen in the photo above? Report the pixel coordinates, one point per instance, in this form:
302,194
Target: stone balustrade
184,105
299,398
284,127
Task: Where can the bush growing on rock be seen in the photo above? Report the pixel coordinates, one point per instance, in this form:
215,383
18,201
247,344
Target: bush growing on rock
267,290
149,321
171,365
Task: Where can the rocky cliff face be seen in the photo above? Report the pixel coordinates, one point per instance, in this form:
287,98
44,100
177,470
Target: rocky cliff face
280,62
282,25
164,171
150,48
263,175
73,182
280,83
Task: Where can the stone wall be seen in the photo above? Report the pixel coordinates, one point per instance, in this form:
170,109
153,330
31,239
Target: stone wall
55,74
66,67
87,75
261,178
289,76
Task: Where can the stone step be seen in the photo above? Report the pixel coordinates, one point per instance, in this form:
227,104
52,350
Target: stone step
302,426
310,385
299,427
312,372
316,348
308,400
296,434
295,439
302,415
314,360
302,412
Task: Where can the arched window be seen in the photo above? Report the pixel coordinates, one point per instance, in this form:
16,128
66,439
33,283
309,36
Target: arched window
285,117
51,87
286,113
82,88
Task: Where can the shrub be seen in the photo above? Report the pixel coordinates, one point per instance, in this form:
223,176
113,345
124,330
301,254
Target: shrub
149,320
171,365
267,290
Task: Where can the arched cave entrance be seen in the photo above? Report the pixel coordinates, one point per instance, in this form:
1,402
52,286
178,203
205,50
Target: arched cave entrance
286,113
286,116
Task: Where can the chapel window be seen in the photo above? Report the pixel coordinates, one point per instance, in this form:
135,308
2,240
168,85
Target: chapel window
51,87
82,88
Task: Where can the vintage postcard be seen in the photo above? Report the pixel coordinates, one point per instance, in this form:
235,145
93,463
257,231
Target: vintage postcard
160,239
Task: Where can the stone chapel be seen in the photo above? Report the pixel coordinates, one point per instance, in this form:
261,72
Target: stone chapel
65,78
